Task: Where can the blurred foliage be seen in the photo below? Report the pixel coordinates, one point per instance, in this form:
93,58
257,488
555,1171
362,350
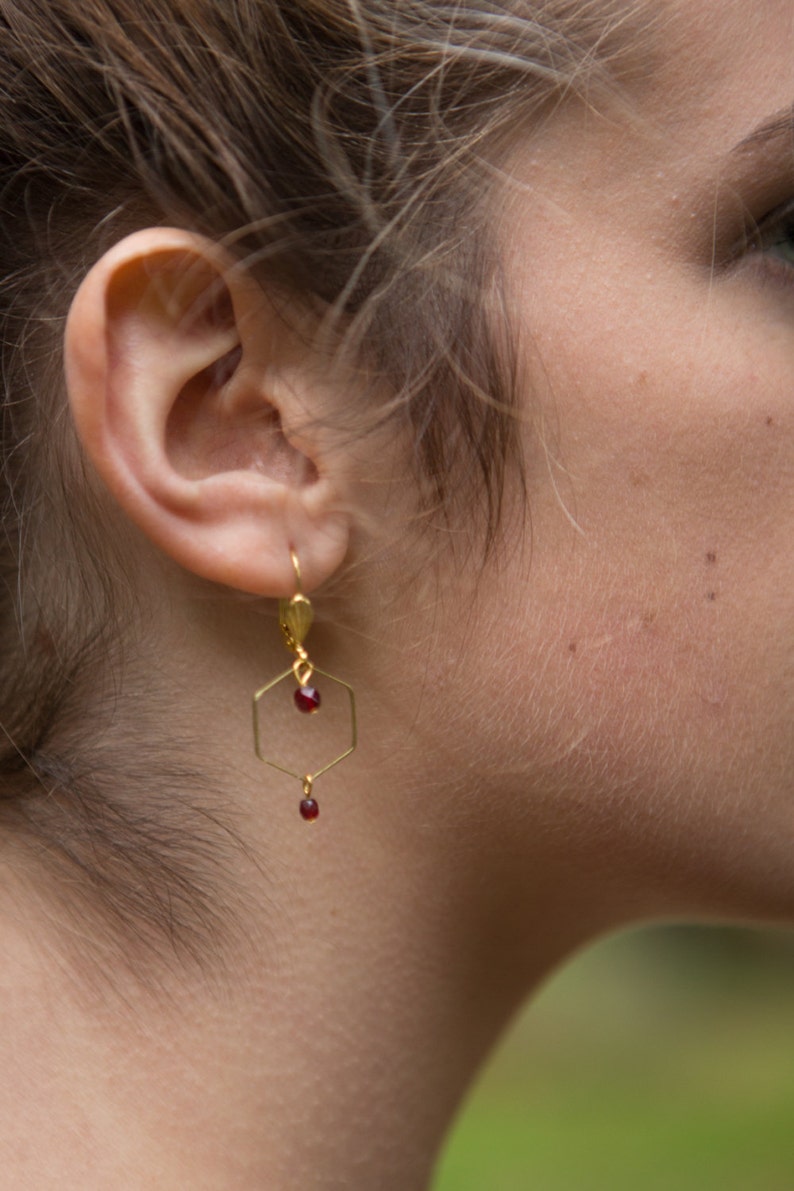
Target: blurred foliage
661,1060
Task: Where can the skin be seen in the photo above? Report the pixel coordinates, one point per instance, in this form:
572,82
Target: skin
594,730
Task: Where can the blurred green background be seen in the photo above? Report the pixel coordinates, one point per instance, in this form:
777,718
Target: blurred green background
661,1060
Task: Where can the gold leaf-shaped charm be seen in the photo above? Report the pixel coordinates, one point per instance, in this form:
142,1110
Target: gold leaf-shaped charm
296,616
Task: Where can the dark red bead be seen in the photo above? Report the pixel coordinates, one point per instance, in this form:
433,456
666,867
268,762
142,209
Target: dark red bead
307,699
309,810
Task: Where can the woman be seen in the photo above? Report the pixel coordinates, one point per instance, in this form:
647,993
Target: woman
472,324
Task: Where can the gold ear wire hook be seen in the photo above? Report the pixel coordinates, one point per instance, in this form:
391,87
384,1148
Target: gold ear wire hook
297,568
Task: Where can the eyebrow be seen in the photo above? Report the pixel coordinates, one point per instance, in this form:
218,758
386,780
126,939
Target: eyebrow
780,125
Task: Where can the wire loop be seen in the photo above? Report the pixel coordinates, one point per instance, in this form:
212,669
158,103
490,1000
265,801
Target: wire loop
303,671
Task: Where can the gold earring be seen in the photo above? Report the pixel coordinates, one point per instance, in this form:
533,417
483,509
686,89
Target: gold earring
296,616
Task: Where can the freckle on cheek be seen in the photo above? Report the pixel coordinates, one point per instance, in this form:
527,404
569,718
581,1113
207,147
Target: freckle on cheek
711,556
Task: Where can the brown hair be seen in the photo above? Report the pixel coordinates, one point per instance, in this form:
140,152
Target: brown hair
344,149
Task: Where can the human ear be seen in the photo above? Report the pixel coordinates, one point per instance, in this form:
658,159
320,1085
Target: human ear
199,410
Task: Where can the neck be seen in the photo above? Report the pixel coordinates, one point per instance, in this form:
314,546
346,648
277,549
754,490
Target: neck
334,1051
372,965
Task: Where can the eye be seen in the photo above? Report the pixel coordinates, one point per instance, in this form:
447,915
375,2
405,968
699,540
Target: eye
773,237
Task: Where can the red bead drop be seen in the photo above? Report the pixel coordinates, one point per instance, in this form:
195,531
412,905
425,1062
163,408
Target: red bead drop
309,810
307,699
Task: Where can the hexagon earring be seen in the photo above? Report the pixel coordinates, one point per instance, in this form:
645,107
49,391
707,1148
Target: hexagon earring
296,616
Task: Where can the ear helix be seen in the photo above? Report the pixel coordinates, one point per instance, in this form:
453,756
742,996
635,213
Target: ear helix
296,616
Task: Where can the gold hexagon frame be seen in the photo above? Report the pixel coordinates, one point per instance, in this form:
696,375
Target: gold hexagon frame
312,777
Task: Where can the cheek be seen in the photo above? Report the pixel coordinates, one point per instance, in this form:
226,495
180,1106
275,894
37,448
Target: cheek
648,727
669,522
658,614
663,457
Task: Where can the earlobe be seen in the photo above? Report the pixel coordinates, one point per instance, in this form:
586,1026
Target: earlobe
182,383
